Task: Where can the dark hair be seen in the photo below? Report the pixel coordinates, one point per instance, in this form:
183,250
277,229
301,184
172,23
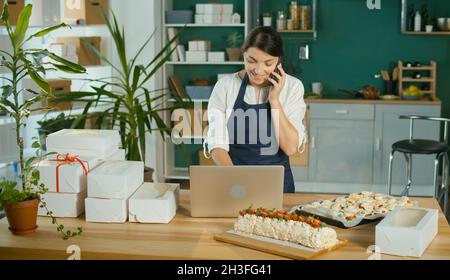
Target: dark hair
266,39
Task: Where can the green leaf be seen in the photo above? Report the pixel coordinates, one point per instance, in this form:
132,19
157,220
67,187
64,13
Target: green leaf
5,109
141,127
39,81
47,30
81,120
5,102
22,26
67,65
115,111
36,145
7,91
5,15
136,75
160,123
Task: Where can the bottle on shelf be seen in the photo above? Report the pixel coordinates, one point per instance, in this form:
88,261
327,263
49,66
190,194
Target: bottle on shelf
411,15
417,22
281,21
294,10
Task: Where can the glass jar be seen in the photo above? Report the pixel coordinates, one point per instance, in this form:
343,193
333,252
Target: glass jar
294,10
305,17
281,21
290,24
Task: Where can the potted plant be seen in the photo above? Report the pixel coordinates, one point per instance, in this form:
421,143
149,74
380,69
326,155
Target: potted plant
20,199
267,19
234,41
132,107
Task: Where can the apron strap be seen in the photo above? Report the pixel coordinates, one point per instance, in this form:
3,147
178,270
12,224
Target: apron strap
240,98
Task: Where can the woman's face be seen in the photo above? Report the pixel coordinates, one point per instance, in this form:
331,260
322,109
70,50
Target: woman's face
259,65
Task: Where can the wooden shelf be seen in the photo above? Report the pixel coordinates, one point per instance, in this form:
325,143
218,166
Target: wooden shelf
204,63
295,31
423,80
204,25
429,68
187,100
444,33
178,173
431,79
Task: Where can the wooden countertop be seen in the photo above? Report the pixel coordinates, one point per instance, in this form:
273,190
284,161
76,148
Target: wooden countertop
185,238
375,101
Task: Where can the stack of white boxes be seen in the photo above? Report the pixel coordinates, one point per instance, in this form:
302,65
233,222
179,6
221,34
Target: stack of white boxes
78,153
90,174
200,51
214,13
109,188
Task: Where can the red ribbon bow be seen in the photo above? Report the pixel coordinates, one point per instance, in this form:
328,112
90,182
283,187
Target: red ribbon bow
68,159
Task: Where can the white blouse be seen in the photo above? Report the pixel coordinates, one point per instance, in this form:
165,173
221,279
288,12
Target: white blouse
224,95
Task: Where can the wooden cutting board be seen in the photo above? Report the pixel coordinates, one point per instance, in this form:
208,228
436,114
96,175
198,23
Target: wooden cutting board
287,251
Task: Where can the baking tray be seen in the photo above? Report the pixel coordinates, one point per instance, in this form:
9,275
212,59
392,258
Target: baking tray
341,223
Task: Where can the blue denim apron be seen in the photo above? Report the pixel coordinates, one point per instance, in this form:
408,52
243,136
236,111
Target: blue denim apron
250,153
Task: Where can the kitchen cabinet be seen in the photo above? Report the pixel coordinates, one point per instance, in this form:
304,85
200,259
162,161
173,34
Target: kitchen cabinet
341,143
350,143
389,129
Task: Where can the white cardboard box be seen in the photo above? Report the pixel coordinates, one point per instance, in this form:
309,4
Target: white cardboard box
71,175
217,8
200,8
199,19
199,45
102,210
84,142
116,179
117,155
63,205
217,19
200,56
216,56
154,203
407,231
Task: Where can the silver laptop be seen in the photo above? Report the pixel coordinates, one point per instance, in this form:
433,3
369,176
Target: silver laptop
221,191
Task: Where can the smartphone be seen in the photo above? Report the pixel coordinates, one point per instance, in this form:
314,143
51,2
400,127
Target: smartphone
277,71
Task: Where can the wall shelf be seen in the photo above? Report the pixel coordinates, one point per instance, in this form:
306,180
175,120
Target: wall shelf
403,24
203,25
175,161
204,63
442,33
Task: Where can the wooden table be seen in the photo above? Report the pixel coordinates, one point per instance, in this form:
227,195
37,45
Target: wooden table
186,238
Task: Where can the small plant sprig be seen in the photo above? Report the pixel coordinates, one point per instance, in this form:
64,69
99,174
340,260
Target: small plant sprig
9,194
40,189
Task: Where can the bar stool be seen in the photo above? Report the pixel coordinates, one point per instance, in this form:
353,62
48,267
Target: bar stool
425,147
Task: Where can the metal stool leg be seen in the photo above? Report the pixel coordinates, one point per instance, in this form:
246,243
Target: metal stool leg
437,190
391,157
445,175
408,174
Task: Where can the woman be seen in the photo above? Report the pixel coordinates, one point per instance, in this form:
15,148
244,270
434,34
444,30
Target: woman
256,115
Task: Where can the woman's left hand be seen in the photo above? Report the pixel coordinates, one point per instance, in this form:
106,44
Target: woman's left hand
277,86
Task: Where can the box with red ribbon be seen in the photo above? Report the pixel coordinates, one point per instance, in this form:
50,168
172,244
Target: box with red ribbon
66,173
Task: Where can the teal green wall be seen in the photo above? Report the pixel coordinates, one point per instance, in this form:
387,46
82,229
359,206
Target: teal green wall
353,44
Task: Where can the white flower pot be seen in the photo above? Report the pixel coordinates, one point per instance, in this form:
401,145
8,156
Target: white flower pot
267,21
429,28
